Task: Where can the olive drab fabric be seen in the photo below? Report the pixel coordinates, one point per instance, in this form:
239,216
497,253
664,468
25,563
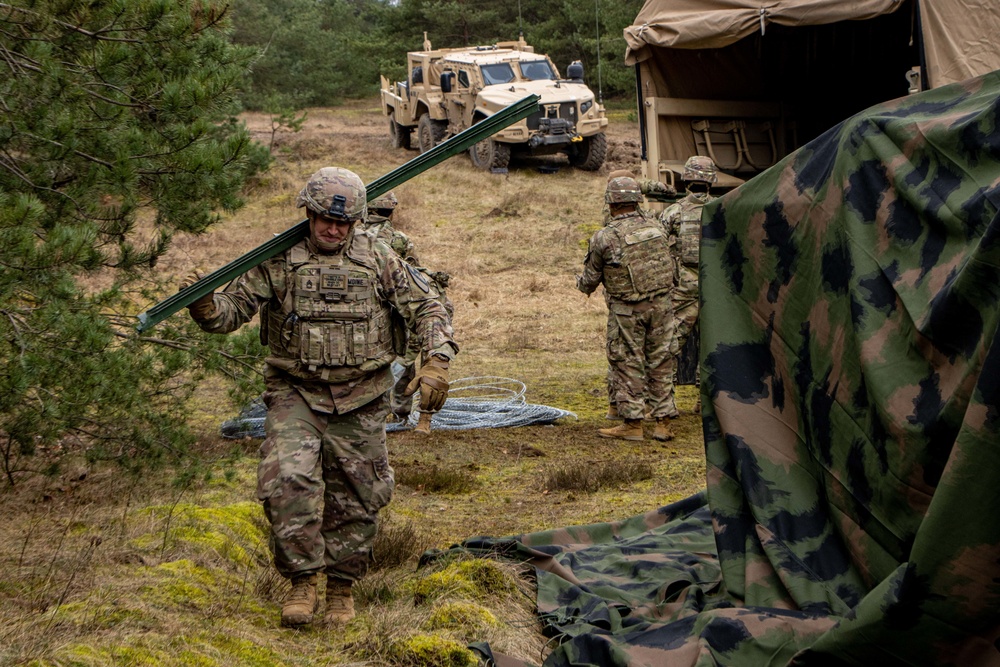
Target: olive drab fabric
851,390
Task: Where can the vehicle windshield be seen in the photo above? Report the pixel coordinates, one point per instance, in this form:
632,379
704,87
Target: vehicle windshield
497,73
536,70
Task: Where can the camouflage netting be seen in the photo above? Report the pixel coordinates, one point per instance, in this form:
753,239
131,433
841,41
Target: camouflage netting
851,421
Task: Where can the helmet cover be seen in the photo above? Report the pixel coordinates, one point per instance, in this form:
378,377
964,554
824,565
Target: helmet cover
334,192
386,201
623,190
700,168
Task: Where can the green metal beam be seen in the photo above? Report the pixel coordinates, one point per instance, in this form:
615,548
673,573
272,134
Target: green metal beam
446,149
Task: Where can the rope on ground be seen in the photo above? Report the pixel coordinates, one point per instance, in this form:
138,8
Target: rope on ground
473,402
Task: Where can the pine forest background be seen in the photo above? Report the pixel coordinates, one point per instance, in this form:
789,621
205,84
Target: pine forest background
319,52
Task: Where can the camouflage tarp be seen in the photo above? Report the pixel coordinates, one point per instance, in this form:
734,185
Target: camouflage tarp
851,420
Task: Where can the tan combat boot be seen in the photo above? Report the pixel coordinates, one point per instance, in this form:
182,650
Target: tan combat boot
301,603
631,429
613,413
663,431
339,603
423,423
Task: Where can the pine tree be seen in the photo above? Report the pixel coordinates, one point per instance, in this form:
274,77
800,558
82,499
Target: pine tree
117,129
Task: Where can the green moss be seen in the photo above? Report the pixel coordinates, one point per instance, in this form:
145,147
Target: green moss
235,532
85,655
95,616
476,579
181,583
196,659
228,649
431,651
465,616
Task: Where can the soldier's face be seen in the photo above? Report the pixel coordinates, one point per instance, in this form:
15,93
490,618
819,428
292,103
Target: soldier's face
327,232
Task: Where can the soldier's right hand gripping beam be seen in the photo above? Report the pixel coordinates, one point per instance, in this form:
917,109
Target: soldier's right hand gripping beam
446,149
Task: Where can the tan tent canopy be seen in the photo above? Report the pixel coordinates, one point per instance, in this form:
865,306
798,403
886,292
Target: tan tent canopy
747,82
710,24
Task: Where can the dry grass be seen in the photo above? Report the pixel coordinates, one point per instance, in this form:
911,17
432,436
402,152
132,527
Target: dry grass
103,570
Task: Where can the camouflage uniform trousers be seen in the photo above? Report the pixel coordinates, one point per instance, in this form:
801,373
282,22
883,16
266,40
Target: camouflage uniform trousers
639,338
686,307
323,479
402,403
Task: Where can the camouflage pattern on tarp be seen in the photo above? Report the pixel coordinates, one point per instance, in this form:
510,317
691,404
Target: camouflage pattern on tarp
850,390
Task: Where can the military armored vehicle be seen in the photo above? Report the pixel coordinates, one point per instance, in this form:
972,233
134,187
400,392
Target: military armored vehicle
447,90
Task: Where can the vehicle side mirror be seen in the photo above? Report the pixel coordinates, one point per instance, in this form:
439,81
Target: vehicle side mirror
575,71
447,79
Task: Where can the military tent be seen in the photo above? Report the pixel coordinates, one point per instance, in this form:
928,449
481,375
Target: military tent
851,392
749,81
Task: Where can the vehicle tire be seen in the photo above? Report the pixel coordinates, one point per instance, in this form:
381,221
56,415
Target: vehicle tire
590,153
489,154
429,133
399,134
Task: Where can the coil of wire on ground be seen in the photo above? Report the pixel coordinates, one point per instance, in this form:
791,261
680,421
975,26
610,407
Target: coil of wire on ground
473,402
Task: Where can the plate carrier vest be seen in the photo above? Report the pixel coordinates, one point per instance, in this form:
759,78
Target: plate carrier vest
332,314
644,267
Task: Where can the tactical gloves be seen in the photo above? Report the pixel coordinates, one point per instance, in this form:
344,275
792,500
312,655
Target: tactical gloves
432,380
203,309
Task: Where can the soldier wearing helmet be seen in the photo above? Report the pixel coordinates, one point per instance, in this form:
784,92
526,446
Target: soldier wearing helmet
328,306
379,222
655,190
630,257
683,222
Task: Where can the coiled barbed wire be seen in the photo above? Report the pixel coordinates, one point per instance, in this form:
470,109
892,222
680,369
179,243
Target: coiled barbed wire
485,401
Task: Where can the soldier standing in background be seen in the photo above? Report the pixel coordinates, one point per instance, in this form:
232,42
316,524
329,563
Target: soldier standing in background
631,258
655,189
327,306
683,222
379,221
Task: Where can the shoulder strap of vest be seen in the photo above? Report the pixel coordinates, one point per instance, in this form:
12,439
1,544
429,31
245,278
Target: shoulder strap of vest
360,250
297,255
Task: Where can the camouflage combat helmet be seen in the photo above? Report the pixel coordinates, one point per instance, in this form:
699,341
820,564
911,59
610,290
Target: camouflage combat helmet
623,190
386,202
700,168
334,192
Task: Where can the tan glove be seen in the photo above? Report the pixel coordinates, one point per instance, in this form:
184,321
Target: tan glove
203,309
432,380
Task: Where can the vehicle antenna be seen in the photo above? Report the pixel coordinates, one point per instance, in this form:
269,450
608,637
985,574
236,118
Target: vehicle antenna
520,27
597,23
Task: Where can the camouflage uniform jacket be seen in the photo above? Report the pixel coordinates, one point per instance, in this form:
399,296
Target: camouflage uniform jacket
392,237
683,221
398,296
630,257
